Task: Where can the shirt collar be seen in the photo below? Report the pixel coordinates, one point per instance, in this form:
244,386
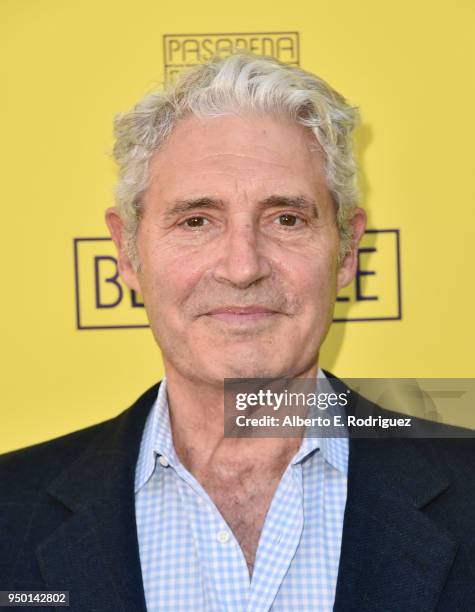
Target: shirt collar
334,450
157,440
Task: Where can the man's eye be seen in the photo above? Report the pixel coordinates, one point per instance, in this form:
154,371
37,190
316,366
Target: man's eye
194,222
288,220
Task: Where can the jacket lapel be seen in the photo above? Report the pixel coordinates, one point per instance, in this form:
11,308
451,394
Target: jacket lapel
94,553
393,557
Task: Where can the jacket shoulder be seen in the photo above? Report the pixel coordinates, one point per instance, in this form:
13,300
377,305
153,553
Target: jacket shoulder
29,469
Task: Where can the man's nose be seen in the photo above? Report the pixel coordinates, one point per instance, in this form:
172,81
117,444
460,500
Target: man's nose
241,260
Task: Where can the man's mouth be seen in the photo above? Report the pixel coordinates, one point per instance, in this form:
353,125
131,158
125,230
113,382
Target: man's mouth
241,314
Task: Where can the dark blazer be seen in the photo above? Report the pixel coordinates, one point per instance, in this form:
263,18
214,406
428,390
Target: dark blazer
67,520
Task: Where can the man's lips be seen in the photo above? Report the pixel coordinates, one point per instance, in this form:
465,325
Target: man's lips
241,310
241,314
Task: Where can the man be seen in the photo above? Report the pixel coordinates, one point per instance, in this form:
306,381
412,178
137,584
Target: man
237,221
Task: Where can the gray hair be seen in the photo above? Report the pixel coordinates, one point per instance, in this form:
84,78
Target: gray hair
222,86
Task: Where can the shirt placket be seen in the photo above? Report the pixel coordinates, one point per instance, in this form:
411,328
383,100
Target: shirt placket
225,576
279,540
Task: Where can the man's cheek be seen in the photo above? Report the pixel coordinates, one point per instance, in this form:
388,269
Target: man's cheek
318,285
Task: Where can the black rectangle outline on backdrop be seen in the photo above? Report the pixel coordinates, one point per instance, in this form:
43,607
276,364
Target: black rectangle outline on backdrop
76,280
79,326
398,317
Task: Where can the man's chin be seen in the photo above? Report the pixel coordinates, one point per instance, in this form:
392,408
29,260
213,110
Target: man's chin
256,360
250,370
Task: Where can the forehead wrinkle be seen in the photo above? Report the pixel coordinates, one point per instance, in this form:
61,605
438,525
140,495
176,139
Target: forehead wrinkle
240,156
236,171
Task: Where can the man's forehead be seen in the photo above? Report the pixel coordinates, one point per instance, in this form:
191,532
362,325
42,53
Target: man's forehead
254,156
242,141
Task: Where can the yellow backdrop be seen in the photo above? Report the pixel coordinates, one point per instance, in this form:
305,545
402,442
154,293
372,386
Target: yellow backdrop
67,68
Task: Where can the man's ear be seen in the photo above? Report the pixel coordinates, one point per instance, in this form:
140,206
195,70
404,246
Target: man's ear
347,269
126,269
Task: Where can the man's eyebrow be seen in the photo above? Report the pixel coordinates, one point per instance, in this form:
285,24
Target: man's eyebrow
184,206
301,203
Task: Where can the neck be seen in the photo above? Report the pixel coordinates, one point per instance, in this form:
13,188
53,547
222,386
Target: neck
197,422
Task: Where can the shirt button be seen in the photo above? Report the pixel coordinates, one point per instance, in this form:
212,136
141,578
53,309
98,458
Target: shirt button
163,461
223,536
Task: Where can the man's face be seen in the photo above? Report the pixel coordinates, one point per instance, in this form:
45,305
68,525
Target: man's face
238,248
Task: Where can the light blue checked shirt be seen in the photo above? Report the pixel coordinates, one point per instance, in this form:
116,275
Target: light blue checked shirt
190,558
